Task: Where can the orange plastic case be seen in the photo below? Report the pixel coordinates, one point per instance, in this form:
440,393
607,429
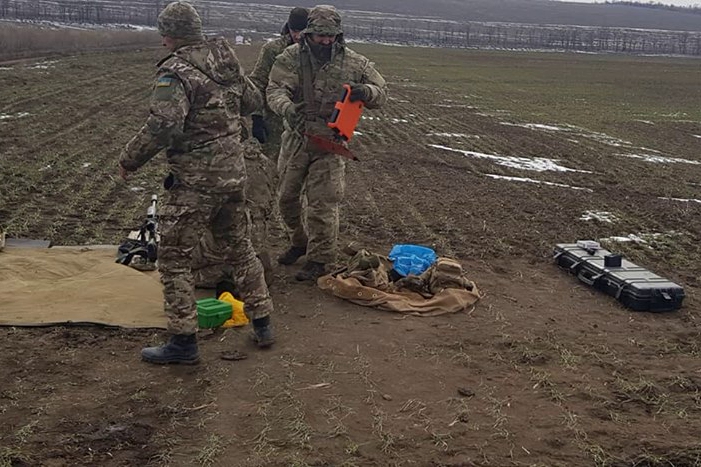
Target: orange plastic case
346,115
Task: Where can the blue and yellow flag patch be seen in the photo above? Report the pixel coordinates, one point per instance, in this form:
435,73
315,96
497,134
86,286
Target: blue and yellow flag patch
164,82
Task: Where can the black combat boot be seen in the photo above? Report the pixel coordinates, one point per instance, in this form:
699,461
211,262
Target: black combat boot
181,348
263,332
292,255
311,271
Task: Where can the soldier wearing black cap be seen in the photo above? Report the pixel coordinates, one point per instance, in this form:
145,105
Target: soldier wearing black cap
268,127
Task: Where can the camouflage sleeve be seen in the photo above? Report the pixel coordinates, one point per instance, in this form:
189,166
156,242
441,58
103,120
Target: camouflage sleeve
283,81
376,85
251,99
164,126
261,70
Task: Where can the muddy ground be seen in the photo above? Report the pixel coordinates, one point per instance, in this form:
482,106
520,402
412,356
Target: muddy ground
543,371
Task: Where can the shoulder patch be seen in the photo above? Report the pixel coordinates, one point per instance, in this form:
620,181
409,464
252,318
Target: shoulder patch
164,81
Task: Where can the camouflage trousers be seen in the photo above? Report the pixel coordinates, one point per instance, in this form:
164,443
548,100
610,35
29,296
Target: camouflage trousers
219,225
260,201
319,179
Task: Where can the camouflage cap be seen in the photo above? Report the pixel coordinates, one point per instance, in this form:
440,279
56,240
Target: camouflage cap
180,20
324,20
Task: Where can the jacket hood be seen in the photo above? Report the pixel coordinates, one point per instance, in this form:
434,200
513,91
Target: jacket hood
215,58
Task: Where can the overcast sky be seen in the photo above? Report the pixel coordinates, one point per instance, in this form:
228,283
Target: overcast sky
666,2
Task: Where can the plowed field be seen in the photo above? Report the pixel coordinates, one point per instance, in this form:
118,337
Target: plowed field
489,157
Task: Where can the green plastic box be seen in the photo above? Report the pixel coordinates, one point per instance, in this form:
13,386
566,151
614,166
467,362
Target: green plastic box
212,313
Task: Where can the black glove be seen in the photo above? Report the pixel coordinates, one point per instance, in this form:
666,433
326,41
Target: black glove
359,92
260,129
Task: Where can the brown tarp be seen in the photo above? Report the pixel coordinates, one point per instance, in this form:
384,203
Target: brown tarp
402,301
40,287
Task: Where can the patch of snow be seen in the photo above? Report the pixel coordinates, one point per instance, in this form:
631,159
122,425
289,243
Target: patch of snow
676,114
377,119
45,65
536,126
48,167
454,135
696,136
539,182
627,239
651,150
537,164
683,200
641,238
602,216
14,116
659,159
454,106
137,188
87,164
647,122
6,68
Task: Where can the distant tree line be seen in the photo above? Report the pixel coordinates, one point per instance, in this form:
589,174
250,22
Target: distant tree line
518,36
402,30
87,11
659,6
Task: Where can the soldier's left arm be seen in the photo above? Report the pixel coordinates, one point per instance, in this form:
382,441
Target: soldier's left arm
261,70
376,86
164,126
251,98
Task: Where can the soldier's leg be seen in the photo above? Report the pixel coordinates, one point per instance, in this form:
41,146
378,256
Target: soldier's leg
207,270
290,203
325,189
181,222
229,229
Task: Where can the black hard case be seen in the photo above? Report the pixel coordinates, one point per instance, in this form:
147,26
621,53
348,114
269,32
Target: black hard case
635,287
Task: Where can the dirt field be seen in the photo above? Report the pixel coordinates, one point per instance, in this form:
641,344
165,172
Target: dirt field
490,157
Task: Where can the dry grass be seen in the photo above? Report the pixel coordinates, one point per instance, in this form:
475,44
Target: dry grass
22,41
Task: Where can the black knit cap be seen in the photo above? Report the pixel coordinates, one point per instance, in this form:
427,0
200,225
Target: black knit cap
298,19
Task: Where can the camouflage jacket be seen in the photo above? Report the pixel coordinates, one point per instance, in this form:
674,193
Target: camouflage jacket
346,67
266,58
196,104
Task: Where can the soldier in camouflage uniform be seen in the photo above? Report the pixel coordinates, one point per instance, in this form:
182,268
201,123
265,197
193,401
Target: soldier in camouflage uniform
305,82
199,95
260,201
267,127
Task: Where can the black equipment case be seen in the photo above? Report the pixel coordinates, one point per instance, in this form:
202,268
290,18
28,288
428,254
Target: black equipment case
635,287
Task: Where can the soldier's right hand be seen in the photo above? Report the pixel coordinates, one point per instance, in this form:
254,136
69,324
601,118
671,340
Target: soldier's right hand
260,129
